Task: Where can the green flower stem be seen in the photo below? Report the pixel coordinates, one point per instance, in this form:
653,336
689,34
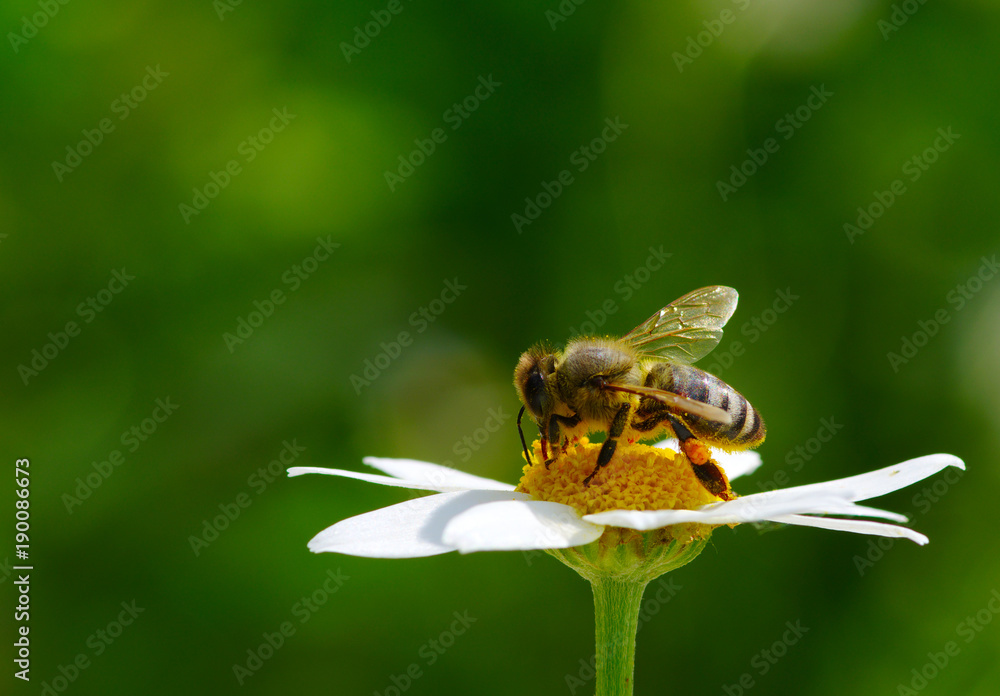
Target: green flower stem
618,567
616,611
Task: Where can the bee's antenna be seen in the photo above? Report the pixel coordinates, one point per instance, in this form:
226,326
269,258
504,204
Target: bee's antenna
520,432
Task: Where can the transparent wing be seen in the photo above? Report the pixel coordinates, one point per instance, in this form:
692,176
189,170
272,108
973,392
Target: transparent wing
682,403
688,328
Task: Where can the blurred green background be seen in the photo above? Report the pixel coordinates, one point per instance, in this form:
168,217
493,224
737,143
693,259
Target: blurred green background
173,94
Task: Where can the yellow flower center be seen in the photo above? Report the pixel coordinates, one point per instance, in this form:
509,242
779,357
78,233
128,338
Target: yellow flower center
639,477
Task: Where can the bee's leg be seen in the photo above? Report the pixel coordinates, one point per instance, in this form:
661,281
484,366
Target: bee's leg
708,472
615,430
551,435
569,422
553,431
651,415
543,432
648,423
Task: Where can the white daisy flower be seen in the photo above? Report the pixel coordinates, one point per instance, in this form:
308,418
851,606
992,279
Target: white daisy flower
644,489
643,515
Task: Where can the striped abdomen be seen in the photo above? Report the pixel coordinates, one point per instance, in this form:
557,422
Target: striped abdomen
747,427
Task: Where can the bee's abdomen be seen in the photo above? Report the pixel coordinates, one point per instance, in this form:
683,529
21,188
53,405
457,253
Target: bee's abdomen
747,427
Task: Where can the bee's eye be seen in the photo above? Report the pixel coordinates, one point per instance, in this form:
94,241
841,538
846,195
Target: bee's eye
534,390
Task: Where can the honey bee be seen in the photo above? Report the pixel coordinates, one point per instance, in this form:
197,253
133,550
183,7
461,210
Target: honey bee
642,384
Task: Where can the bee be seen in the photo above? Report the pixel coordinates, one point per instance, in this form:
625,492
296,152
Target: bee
641,384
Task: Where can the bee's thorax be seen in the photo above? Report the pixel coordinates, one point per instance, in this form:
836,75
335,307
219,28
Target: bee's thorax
585,365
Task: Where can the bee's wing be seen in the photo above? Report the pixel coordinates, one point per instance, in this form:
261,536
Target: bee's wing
682,403
688,328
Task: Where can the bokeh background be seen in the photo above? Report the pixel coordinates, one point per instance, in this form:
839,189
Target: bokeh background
697,88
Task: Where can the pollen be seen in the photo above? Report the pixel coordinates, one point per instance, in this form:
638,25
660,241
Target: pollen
639,477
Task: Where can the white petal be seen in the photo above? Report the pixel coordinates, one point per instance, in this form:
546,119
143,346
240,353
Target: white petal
735,464
643,520
371,478
852,488
737,511
436,476
858,526
789,504
670,443
847,508
519,525
882,481
409,529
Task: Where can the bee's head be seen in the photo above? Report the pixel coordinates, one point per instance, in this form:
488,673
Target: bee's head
533,380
